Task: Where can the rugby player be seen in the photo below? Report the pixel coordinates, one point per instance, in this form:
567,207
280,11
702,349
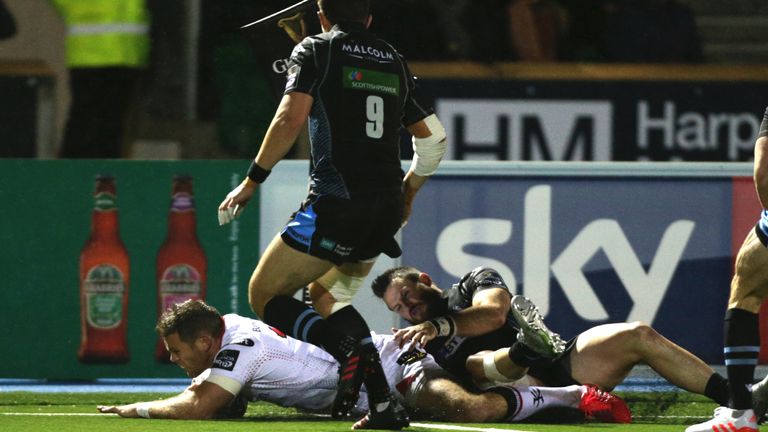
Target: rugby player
478,348
749,288
234,359
358,93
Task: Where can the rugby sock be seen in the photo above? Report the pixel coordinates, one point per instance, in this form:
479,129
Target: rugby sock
301,322
741,349
523,402
349,321
513,399
717,389
523,356
534,399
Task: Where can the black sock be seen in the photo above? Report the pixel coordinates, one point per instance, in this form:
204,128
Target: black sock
523,356
511,396
741,349
349,321
299,321
717,389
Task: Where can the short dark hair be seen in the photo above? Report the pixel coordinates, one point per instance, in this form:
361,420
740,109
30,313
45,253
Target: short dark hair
190,320
345,10
382,281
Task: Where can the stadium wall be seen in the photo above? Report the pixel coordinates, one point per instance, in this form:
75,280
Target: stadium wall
591,243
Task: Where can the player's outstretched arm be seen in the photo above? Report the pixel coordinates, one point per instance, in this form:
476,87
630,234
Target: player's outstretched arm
204,401
285,127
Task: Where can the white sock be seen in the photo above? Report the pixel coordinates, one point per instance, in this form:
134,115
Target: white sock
534,398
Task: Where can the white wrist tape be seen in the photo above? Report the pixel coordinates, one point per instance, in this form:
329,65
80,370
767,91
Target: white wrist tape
491,371
143,410
445,326
427,152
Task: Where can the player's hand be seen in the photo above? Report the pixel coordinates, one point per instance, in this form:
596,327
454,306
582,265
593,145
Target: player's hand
419,334
362,423
128,411
235,201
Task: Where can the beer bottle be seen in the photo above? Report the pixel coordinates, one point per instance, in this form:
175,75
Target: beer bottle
181,262
104,281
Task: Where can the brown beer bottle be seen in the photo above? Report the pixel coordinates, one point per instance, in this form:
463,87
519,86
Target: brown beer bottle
181,262
104,281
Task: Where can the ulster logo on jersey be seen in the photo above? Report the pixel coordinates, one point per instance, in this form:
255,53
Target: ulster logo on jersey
411,356
245,342
226,359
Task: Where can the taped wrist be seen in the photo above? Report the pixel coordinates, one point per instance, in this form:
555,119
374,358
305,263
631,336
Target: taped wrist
445,326
256,173
427,152
143,410
764,125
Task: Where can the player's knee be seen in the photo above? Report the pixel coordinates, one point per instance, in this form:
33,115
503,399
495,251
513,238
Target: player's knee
642,333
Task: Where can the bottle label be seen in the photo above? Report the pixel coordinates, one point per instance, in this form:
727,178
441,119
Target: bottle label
182,202
104,201
104,286
180,282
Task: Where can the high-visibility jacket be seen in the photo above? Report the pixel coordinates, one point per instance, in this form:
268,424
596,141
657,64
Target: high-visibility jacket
106,32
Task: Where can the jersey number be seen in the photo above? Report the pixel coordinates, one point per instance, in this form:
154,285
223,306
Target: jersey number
374,111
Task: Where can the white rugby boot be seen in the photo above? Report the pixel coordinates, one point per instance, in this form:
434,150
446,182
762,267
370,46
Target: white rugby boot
760,399
728,420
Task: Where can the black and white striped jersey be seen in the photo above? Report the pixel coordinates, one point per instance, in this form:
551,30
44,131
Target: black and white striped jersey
363,94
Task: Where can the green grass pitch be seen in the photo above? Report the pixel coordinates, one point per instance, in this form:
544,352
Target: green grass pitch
76,412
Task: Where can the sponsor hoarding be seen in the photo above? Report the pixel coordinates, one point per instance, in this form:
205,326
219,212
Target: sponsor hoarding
599,120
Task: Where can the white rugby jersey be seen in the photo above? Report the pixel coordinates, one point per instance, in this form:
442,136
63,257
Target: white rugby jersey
264,364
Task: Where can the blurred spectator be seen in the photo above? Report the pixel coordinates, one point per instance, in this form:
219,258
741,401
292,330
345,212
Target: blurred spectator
107,47
487,23
651,31
7,23
455,37
242,71
537,29
413,26
585,30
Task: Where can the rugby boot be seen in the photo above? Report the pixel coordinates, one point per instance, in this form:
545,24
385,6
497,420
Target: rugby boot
728,420
533,332
351,376
760,399
603,406
393,416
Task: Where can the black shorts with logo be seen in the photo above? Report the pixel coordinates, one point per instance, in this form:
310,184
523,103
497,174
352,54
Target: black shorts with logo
346,230
558,372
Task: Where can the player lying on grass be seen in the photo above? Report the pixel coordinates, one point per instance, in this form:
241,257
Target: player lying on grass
236,359
468,329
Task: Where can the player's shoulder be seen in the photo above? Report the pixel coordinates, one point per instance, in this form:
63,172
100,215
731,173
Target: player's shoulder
484,277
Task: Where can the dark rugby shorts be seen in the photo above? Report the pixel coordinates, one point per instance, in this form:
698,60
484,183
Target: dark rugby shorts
558,372
342,230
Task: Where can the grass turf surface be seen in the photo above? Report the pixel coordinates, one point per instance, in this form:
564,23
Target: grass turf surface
62,412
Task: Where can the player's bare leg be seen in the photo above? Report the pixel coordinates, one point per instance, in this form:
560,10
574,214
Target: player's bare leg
505,369
331,296
282,270
604,355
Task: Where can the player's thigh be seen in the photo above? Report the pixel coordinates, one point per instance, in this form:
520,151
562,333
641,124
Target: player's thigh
283,270
602,354
749,285
338,286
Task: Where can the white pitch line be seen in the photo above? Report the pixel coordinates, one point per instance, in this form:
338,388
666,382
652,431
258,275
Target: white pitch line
462,428
53,414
